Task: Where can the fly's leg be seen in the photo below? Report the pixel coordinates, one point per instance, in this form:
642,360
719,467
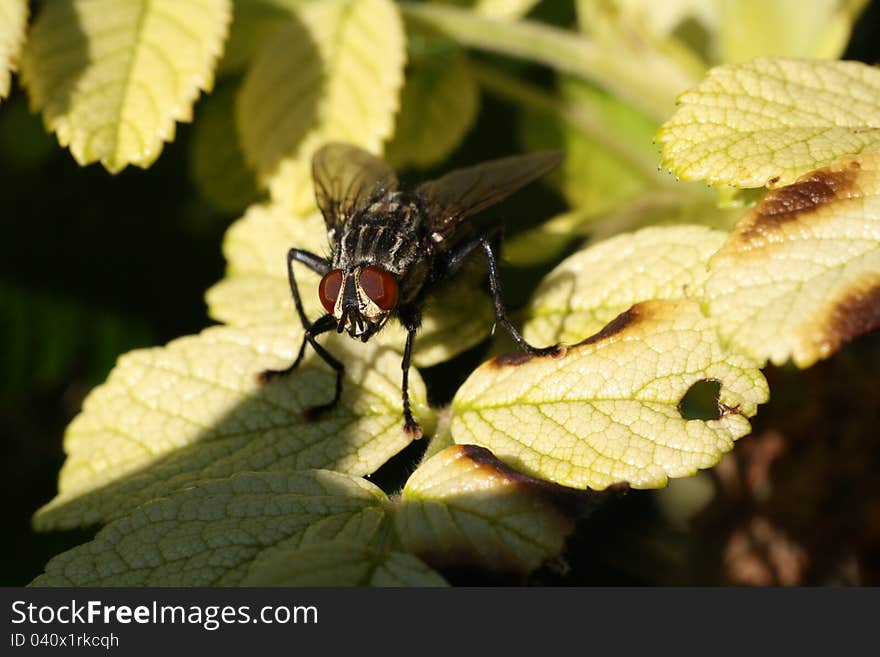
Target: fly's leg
500,311
325,323
454,262
315,411
322,325
411,319
314,262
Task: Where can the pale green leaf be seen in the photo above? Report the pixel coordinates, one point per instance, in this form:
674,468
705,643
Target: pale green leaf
256,290
623,30
504,9
688,28
253,23
612,125
607,411
463,507
442,437
599,169
751,29
212,532
216,160
548,240
667,207
13,23
766,122
654,207
661,18
732,31
683,499
498,9
192,410
332,73
595,285
112,76
337,563
800,275
438,106
649,83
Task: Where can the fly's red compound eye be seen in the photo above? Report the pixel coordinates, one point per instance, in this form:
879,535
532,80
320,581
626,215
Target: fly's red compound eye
328,290
380,286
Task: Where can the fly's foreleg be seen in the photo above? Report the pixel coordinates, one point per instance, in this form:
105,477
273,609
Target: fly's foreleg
325,323
315,411
411,320
314,262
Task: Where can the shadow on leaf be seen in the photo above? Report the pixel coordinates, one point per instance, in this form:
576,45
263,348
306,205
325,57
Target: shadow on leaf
170,416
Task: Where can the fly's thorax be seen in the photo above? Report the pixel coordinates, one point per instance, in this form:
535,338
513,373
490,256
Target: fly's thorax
386,234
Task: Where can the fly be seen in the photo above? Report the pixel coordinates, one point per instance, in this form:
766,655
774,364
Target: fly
391,248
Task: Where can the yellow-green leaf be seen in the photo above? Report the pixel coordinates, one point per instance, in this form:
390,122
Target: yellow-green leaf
594,174
608,411
547,240
213,531
464,507
498,9
733,31
800,275
593,286
768,121
505,9
654,207
649,83
624,30
438,106
256,290
13,23
751,29
333,73
216,160
172,415
660,18
338,563
442,437
112,76
253,23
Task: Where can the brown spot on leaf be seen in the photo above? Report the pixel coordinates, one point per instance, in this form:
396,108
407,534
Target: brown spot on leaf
792,202
504,360
623,320
510,360
773,180
571,501
616,325
726,409
854,315
563,505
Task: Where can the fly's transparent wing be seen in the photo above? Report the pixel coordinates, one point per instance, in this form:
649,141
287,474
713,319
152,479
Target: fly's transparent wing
464,192
347,179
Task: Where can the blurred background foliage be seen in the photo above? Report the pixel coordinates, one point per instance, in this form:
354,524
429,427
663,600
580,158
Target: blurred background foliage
94,265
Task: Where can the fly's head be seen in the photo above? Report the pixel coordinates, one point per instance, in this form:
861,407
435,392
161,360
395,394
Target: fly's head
361,298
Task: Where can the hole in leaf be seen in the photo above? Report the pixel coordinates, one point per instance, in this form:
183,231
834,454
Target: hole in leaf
700,402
